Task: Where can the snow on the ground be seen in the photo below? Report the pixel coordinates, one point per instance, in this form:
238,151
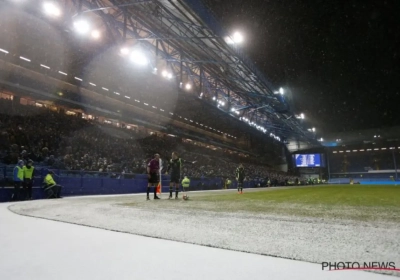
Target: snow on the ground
312,239
32,248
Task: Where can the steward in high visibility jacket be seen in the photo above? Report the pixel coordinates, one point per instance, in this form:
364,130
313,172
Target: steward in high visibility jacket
185,182
228,183
49,181
28,178
18,174
53,190
18,178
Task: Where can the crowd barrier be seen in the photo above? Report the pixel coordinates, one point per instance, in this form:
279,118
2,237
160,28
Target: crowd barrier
80,183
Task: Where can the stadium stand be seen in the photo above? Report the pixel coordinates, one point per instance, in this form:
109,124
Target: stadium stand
71,143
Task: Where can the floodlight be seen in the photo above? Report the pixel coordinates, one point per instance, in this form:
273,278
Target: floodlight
95,34
124,51
237,38
281,91
81,26
188,86
138,58
51,9
164,73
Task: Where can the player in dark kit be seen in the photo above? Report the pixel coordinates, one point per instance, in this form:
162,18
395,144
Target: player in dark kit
175,166
153,173
240,175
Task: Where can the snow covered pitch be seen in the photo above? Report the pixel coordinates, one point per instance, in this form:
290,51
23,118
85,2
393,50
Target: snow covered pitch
305,224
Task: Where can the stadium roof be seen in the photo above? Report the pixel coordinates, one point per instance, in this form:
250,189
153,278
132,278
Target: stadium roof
183,40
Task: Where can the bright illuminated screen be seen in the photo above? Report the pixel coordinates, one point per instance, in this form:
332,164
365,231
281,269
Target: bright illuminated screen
308,160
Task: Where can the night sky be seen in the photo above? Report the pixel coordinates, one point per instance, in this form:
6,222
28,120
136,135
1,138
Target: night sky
340,58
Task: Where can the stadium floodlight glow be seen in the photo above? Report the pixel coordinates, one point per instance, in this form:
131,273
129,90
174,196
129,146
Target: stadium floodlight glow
281,91
51,9
3,51
138,57
124,51
237,38
302,116
223,103
95,34
313,129
81,26
188,86
44,66
164,73
214,98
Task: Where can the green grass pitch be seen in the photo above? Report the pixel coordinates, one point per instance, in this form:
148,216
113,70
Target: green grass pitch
354,202
345,202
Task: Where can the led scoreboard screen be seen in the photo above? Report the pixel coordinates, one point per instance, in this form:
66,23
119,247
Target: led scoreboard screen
308,160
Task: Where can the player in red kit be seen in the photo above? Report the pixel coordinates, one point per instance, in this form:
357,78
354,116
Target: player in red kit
153,174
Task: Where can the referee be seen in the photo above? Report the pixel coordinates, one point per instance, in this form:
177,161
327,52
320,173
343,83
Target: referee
153,174
175,166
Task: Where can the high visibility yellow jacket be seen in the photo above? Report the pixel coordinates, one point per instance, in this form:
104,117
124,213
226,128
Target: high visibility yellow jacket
186,182
48,180
28,172
18,174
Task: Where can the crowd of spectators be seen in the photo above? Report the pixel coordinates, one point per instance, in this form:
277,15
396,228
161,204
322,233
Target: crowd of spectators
54,139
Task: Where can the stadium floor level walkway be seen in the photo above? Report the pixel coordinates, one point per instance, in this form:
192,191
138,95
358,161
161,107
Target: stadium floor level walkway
33,248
